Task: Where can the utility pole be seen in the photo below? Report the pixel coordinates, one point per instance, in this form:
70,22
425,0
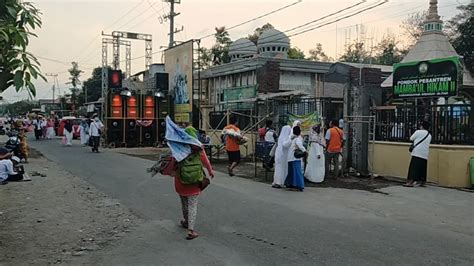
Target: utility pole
171,16
55,80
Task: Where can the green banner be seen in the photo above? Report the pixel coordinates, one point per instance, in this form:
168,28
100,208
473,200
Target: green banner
240,93
307,120
433,78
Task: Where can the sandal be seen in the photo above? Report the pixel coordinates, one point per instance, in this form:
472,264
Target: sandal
184,224
192,235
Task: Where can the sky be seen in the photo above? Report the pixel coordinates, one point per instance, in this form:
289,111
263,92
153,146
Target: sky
72,29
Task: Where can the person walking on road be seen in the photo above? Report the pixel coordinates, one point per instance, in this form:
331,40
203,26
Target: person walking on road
189,193
420,150
37,124
334,142
295,177
68,132
232,139
84,132
281,157
95,130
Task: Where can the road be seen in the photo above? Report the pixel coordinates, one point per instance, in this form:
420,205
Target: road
242,222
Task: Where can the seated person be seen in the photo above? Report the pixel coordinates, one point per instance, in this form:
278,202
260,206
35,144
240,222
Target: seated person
10,170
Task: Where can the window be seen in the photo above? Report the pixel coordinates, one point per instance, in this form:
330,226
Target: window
279,49
268,49
273,48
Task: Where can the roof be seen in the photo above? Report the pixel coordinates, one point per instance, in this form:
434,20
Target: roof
431,45
242,46
383,68
273,37
251,64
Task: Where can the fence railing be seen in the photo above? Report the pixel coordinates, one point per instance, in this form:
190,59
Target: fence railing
450,124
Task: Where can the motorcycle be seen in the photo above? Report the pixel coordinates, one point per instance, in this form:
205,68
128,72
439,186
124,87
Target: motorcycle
13,144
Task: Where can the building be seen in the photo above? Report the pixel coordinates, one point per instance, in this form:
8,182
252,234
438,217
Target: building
264,73
451,117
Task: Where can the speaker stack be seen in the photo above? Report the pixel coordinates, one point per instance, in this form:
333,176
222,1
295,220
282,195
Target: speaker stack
164,107
148,123
131,130
115,121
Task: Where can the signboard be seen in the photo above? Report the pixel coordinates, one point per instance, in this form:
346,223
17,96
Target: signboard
307,120
179,66
240,93
433,78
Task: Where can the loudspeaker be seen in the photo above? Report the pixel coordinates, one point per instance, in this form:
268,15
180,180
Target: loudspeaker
115,131
161,129
162,82
132,133
163,108
149,135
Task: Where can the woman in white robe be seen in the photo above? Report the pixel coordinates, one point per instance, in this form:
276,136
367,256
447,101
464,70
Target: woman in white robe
315,167
84,131
281,157
68,133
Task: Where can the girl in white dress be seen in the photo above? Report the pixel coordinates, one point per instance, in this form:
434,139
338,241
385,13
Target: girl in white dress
315,168
281,157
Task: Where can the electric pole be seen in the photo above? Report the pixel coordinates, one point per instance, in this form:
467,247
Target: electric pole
55,80
171,16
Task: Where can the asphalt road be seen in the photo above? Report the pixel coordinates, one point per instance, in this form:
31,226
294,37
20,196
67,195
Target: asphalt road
242,222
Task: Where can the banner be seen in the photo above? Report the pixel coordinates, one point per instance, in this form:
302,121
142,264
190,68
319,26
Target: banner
307,120
433,78
179,66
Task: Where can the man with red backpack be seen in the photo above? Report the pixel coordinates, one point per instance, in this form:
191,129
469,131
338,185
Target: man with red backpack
334,142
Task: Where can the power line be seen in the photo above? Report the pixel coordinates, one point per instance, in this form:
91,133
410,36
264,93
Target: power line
112,24
281,36
256,18
134,18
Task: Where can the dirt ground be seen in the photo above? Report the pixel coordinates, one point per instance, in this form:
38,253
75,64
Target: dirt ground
54,219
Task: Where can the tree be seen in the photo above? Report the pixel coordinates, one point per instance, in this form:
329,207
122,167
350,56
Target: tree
220,50
258,31
317,54
205,57
355,53
18,66
75,73
93,85
22,107
387,51
460,30
295,53
413,26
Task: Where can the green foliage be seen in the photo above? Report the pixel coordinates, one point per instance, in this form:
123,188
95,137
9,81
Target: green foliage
317,54
220,50
460,30
413,26
295,53
22,107
18,67
387,52
355,53
93,85
258,31
75,73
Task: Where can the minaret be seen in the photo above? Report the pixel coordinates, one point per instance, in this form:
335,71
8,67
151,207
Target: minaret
433,22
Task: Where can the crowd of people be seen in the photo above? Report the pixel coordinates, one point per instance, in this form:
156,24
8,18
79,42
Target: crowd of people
316,156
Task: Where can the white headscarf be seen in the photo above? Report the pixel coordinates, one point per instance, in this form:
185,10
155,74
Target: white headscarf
296,123
284,136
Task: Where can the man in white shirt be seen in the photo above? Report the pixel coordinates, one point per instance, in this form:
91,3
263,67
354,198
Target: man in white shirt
95,130
417,171
6,169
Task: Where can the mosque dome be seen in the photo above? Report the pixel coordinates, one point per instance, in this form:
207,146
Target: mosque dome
241,49
273,43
